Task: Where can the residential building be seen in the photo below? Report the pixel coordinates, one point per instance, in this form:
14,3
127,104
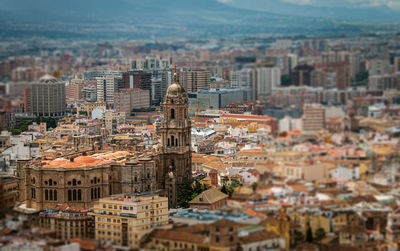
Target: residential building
126,100
211,199
67,222
124,219
195,79
113,119
46,97
264,80
107,86
313,118
137,79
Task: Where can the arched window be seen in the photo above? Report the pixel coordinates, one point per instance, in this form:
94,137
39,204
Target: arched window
172,113
98,192
69,195
33,180
74,182
55,195
168,142
176,142
74,195
51,194
91,193
46,194
172,140
50,182
79,194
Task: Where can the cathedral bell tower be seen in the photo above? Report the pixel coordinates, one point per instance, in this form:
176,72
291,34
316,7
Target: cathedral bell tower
175,157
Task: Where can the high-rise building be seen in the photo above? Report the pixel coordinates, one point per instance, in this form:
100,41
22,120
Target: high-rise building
133,98
94,74
46,97
175,158
74,90
379,66
313,118
107,86
241,79
124,219
137,79
89,92
264,80
301,75
341,71
194,79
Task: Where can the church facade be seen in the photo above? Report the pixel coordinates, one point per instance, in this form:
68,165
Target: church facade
174,156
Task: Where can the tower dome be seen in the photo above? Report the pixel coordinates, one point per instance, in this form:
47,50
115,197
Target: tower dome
175,89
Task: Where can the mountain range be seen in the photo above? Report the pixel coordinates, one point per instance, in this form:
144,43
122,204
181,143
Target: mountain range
162,18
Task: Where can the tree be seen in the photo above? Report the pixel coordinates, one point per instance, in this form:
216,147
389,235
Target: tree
254,186
235,183
320,233
197,187
184,193
299,237
309,237
224,189
286,80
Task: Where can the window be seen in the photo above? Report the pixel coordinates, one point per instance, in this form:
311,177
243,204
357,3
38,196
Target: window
55,195
74,195
46,194
217,239
51,195
50,182
69,195
172,113
79,194
74,182
172,140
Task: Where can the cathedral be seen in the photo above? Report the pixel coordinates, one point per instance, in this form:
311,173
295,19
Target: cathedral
174,156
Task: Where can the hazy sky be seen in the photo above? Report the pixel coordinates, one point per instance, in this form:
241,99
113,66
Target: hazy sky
393,4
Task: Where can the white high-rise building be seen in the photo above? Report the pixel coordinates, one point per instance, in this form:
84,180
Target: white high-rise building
107,86
265,79
241,79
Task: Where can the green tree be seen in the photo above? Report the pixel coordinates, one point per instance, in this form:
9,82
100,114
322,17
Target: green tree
235,183
286,80
198,189
184,193
309,237
254,186
320,233
299,237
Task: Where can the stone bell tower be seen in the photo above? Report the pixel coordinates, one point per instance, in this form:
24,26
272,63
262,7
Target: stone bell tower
175,157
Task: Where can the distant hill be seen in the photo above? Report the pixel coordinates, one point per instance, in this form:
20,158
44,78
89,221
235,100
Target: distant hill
152,18
376,13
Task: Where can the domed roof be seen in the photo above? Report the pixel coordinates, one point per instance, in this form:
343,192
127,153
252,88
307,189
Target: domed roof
175,89
47,79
